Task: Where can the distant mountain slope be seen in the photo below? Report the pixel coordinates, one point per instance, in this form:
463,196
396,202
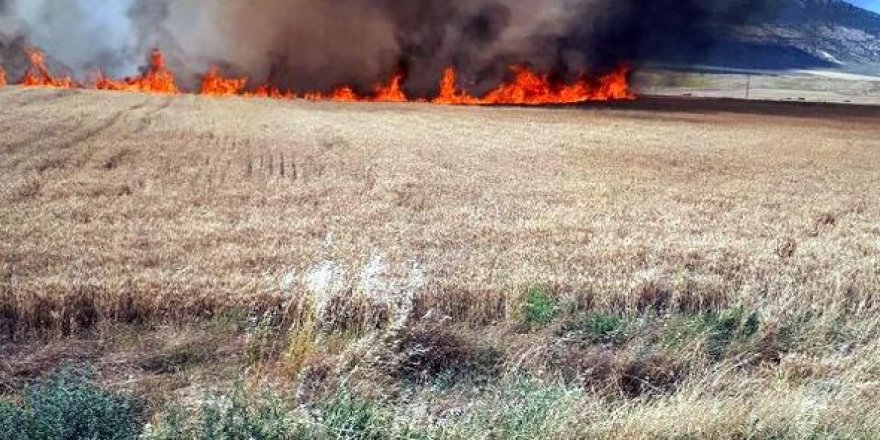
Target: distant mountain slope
821,32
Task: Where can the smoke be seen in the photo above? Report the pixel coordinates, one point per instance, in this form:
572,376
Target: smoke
316,44
80,34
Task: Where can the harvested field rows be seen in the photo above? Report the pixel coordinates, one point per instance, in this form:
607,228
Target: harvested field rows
188,201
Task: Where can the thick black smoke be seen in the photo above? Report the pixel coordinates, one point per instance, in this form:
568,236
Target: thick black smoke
662,30
316,44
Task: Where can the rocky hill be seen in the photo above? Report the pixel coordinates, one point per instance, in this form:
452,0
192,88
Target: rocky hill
805,33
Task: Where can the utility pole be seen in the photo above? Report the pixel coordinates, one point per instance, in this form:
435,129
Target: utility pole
748,85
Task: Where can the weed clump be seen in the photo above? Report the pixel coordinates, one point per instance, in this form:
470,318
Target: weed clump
69,405
538,308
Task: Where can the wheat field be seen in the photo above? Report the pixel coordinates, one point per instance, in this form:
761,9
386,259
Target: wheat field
510,224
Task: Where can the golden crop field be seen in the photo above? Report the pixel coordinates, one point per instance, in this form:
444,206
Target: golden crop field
649,269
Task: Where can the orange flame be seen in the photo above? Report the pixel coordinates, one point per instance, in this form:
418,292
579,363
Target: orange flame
158,79
449,93
2,78
340,94
344,94
271,92
530,88
525,88
38,75
215,85
390,92
615,85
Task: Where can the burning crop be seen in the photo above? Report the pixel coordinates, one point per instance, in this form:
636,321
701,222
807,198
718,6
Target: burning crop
38,75
392,91
157,79
530,88
269,92
525,86
215,85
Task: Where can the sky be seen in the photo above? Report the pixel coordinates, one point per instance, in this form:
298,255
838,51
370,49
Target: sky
873,5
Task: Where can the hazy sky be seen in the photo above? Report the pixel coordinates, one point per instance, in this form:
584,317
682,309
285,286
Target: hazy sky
873,5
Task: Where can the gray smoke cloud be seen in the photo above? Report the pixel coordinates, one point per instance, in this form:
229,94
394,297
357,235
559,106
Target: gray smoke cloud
316,44
80,34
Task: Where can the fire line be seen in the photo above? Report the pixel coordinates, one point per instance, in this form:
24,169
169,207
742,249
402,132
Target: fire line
525,88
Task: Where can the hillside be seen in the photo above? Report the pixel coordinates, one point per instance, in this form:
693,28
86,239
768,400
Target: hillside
822,32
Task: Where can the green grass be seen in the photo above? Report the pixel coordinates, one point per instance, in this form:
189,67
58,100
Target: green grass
530,410
438,381
238,415
346,416
69,405
729,326
539,308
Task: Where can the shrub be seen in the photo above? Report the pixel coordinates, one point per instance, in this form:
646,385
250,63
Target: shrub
539,308
69,405
172,424
238,417
12,420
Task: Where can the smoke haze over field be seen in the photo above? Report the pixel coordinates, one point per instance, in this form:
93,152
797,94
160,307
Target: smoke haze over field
320,43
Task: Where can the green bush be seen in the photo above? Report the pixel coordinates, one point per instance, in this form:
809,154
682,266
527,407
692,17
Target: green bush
11,421
539,309
69,405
